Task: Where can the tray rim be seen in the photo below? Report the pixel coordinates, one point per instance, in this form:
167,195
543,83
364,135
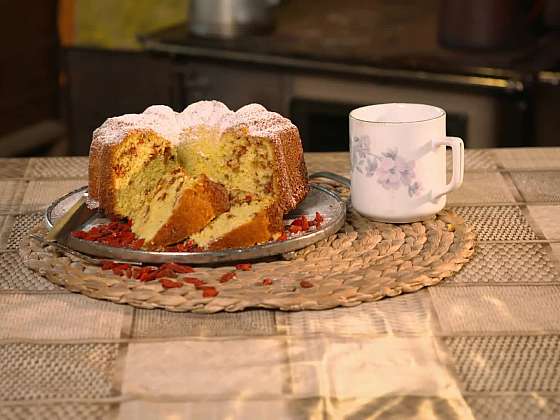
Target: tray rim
206,257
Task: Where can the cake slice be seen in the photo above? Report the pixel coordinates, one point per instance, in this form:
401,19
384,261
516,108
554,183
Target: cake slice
139,178
179,207
257,156
243,225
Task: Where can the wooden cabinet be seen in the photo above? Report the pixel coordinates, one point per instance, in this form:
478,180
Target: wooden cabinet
30,121
103,84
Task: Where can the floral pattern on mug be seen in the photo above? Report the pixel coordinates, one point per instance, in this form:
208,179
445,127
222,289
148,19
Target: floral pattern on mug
393,172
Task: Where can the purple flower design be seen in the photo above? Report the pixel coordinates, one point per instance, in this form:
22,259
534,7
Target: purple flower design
389,175
414,189
371,166
406,170
360,151
391,154
393,172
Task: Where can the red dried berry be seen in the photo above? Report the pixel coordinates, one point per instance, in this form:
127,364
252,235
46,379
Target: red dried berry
295,229
267,282
152,275
301,222
306,284
227,277
107,265
209,291
178,268
318,217
120,269
243,267
147,274
181,247
165,272
117,233
283,237
137,244
169,284
194,281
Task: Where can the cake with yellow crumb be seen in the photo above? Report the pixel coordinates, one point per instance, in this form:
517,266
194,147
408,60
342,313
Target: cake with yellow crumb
221,178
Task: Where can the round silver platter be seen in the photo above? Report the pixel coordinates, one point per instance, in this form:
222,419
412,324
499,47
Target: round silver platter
319,199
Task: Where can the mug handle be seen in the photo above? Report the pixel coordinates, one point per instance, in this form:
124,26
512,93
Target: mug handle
458,151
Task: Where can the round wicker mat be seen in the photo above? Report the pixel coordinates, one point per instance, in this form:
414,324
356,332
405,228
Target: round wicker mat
364,262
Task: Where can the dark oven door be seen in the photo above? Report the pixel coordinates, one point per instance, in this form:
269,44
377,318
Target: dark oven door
323,126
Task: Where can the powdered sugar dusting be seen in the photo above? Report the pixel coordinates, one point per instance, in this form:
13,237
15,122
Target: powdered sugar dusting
212,114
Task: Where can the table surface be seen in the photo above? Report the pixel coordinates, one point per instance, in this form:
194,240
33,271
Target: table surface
484,343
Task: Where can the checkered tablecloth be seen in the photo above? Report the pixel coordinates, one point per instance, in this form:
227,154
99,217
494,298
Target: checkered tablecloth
484,344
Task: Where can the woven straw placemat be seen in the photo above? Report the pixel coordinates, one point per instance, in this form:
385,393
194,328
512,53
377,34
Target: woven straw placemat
365,261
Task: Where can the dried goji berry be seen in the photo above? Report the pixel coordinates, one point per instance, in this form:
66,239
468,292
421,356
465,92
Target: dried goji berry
267,282
318,217
295,229
306,284
178,268
243,267
209,291
107,265
117,233
137,244
165,272
194,281
296,222
113,242
169,284
148,273
118,271
152,275
126,238
227,277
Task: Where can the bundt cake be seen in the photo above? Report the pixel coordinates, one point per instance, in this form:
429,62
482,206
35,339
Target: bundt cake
221,178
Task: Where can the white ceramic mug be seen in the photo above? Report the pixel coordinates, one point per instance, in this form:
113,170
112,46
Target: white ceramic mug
398,161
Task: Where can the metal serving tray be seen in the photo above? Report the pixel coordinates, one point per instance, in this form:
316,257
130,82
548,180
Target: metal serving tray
319,199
